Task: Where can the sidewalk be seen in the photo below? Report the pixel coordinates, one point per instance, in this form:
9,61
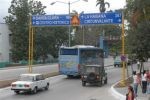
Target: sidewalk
121,92
141,96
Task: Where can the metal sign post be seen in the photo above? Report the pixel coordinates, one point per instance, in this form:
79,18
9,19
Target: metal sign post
123,53
31,42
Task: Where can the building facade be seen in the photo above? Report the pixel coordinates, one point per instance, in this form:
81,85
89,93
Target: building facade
4,44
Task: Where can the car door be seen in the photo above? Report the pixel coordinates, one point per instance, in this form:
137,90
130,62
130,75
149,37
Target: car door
38,81
43,82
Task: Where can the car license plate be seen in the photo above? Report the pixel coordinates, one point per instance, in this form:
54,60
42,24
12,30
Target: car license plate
20,85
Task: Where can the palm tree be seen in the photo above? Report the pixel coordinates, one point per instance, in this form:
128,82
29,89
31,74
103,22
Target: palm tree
102,5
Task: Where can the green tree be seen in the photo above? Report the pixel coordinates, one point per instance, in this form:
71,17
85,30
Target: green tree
102,5
18,21
48,40
91,34
138,15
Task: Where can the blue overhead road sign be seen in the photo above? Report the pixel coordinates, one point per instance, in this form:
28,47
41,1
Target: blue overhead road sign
100,18
85,19
50,20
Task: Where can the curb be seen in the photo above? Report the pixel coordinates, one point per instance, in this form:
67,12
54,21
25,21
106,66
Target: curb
115,93
25,66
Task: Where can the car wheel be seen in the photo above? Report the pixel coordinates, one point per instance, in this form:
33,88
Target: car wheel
47,86
83,83
17,92
34,90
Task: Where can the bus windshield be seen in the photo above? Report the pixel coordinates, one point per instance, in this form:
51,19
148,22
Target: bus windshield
68,52
94,57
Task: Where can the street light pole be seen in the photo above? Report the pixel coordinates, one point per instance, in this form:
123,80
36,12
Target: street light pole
69,25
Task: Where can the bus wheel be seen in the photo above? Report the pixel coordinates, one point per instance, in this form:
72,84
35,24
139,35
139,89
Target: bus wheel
69,76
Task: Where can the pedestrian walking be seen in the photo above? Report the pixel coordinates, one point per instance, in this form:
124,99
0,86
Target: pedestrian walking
130,94
136,82
144,82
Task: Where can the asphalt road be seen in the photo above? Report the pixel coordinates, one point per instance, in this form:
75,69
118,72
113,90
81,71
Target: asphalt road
62,88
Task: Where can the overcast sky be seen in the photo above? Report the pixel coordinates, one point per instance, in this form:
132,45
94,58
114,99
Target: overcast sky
60,8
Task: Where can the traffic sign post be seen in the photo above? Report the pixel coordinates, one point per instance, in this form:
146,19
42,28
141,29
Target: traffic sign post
123,53
123,58
84,19
100,18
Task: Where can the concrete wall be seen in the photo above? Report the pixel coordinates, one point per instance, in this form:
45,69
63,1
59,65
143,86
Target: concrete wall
4,43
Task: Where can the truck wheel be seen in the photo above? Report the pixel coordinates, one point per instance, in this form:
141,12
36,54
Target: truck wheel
105,81
17,92
34,90
100,83
83,83
47,86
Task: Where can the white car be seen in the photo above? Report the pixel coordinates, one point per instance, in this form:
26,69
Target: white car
30,83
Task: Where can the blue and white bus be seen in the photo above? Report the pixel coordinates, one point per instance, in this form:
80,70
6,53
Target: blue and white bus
72,58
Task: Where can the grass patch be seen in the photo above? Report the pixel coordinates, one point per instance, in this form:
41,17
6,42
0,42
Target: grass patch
126,82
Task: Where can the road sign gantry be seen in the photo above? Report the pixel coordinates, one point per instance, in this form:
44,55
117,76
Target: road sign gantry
84,19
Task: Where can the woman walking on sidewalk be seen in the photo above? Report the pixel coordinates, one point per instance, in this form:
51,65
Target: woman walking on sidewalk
136,82
130,94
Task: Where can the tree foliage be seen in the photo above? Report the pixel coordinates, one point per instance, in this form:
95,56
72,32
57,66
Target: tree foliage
91,34
102,5
47,40
18,22
138,15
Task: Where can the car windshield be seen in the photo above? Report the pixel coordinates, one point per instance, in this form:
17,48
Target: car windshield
26,78
118,58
